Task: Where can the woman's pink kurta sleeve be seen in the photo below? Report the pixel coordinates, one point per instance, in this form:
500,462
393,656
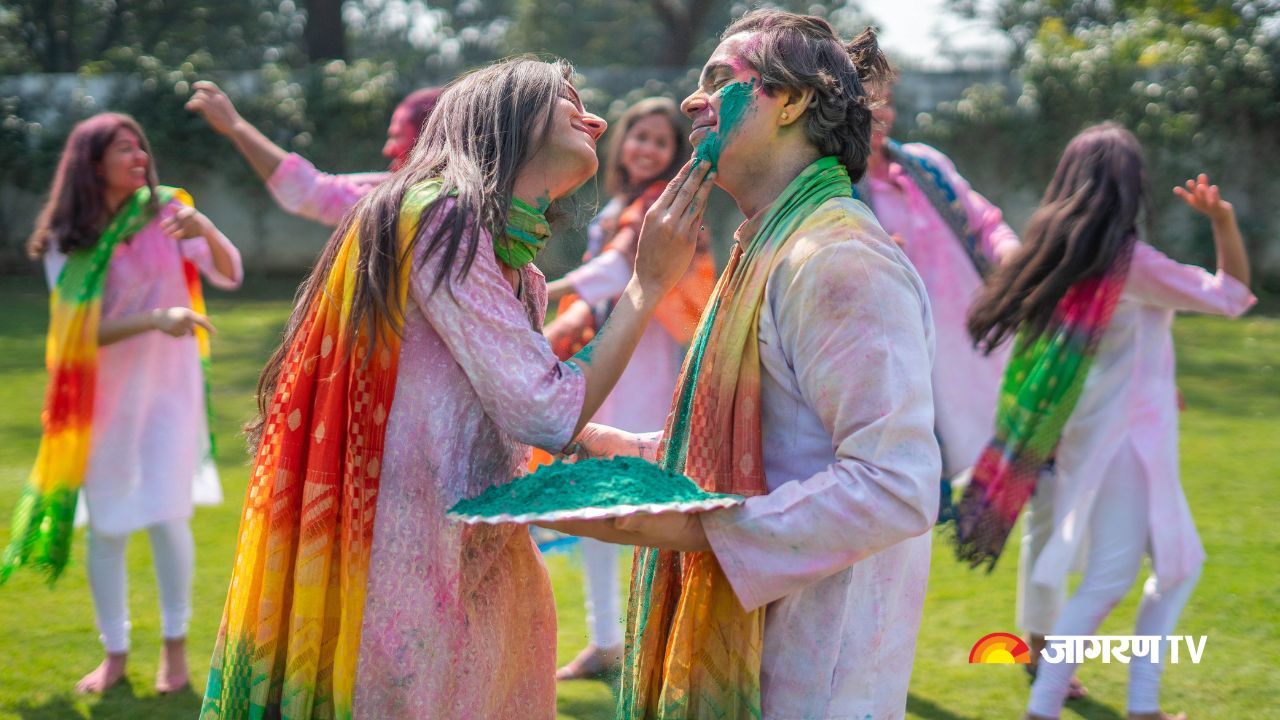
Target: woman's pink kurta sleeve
197,251
851,321
523,387
603,277
1156,279
303,190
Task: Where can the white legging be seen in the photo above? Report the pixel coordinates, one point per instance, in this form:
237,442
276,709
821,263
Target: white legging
1038,605
604,605
1119,535
173,551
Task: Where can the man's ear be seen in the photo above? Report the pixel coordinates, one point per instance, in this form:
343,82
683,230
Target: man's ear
794,104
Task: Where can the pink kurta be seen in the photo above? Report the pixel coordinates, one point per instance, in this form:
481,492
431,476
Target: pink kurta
838,550
642,398
965,382
460,621
150,431
303,190
1130,397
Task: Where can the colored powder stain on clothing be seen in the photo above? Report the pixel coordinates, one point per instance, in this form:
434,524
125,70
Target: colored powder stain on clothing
594,483
735,99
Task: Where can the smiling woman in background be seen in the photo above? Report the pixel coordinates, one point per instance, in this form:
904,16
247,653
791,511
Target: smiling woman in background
126,415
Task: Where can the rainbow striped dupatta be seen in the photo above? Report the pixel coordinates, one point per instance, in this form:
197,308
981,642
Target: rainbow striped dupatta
692,651
1042,384
290,630
43,519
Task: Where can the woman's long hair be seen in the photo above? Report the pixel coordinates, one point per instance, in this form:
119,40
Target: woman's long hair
76,212
617,180
485,128
1087,220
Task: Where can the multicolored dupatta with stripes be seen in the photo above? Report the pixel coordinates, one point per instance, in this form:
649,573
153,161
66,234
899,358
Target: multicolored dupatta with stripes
692,651
1042,383
290,631
44,517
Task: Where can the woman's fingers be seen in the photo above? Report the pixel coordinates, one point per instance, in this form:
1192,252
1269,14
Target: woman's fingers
684,197
672,188
202,321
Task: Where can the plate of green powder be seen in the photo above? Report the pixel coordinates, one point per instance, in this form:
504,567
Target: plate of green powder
589,490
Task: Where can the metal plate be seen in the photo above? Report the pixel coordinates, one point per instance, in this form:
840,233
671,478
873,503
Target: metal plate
601,513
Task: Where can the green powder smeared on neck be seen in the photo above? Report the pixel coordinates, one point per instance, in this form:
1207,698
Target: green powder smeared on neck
592,483
735,99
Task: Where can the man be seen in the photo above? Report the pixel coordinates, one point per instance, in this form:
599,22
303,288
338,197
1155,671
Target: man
807,392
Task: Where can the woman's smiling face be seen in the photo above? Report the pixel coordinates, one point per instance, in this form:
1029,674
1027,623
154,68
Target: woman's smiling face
568,155
648,148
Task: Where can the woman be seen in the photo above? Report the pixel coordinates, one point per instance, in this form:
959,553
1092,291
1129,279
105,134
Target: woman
647,149
1090,384
413,374
807,391
126,416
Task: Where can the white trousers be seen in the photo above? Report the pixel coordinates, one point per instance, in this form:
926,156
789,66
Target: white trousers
1038,605
1119,535
604,602
173,551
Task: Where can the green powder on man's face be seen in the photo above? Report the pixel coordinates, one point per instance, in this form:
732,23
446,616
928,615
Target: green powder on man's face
594,483
734,101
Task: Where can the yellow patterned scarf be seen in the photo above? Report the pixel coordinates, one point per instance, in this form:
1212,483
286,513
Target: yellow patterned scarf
692,651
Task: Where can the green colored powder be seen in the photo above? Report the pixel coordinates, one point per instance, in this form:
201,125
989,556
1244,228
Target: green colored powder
595,483
735,98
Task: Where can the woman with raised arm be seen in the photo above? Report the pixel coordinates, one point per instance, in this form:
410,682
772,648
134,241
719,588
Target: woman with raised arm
413,374
1088,409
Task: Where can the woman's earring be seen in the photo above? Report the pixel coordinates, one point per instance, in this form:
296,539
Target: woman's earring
785,115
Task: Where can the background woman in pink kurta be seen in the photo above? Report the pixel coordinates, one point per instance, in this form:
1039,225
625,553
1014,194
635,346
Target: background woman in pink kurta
648,148
459,621
1115,475
150,438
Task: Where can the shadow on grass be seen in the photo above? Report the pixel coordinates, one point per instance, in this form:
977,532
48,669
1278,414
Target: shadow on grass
118,703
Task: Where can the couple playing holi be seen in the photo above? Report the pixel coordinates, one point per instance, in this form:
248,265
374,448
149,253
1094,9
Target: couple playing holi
413,373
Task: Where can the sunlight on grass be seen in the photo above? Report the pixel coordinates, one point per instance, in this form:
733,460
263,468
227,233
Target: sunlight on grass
1231,460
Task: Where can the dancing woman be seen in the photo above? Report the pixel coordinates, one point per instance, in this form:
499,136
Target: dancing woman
1090,384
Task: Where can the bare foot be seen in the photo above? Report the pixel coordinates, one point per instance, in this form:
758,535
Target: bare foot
592,663
1157,715
172,675
108,673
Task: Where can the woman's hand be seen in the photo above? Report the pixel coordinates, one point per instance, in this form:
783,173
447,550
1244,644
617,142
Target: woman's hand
667,531
1205,199
602,441
669,235
185,224
179,321
215,106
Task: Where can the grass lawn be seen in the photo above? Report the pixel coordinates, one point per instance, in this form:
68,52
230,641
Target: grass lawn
1230,446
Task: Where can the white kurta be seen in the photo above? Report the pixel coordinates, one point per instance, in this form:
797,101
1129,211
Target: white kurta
839,547
150,431
642,398
1130,397
965,382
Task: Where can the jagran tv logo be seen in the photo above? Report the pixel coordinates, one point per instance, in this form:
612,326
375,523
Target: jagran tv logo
1005,648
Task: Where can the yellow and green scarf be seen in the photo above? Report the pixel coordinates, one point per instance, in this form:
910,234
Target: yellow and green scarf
44,517
692,651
